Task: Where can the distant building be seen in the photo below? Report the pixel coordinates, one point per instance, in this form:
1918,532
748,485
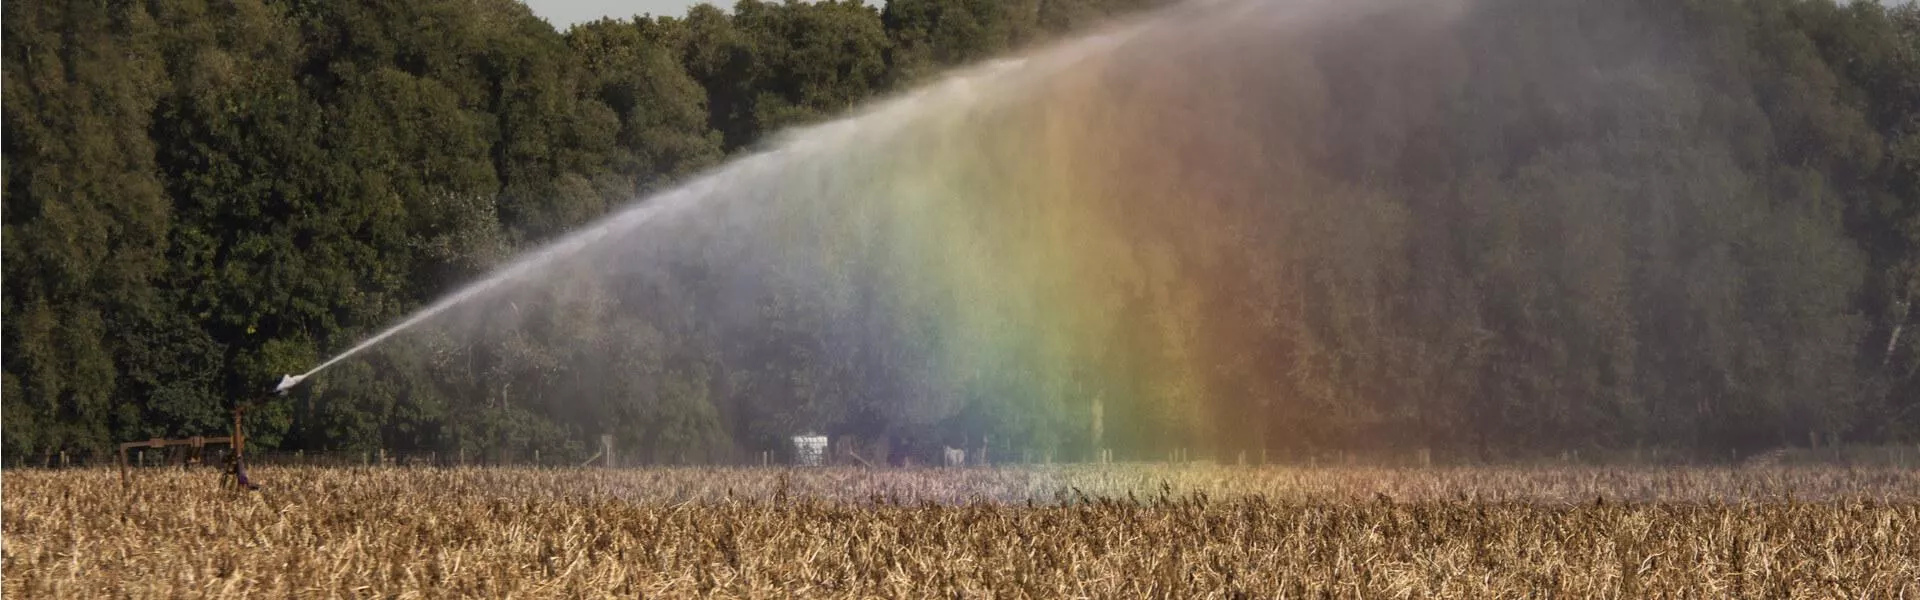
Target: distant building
809,450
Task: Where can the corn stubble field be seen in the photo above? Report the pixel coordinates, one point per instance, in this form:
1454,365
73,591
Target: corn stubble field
1032,532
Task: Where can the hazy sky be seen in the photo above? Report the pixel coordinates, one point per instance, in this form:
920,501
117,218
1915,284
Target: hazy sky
562,13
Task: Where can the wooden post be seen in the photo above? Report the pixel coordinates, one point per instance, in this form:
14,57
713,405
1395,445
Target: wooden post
606,447
1098,426
383,457
239,436
239,444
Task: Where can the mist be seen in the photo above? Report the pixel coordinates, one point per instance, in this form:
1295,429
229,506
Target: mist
1480,228
1477,230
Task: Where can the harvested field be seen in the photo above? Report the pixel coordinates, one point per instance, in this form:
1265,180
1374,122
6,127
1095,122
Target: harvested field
1135,531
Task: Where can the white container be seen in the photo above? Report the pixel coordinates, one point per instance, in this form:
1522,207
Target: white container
809,450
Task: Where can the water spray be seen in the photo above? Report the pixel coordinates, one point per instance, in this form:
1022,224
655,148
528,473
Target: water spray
287,382
791,145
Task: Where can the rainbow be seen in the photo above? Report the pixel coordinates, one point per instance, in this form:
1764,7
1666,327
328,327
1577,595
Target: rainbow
1079,253
1147,240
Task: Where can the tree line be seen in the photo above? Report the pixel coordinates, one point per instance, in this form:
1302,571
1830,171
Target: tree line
202,196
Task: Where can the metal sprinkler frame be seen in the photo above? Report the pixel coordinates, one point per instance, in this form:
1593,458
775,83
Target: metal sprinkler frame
196,445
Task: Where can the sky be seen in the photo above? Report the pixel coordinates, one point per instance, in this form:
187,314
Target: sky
564,13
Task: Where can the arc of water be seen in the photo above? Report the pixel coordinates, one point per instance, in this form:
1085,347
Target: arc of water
826,137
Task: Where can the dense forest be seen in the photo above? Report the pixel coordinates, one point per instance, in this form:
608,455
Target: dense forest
1560,238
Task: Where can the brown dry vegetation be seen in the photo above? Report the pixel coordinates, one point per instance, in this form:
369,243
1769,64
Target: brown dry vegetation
1020,532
